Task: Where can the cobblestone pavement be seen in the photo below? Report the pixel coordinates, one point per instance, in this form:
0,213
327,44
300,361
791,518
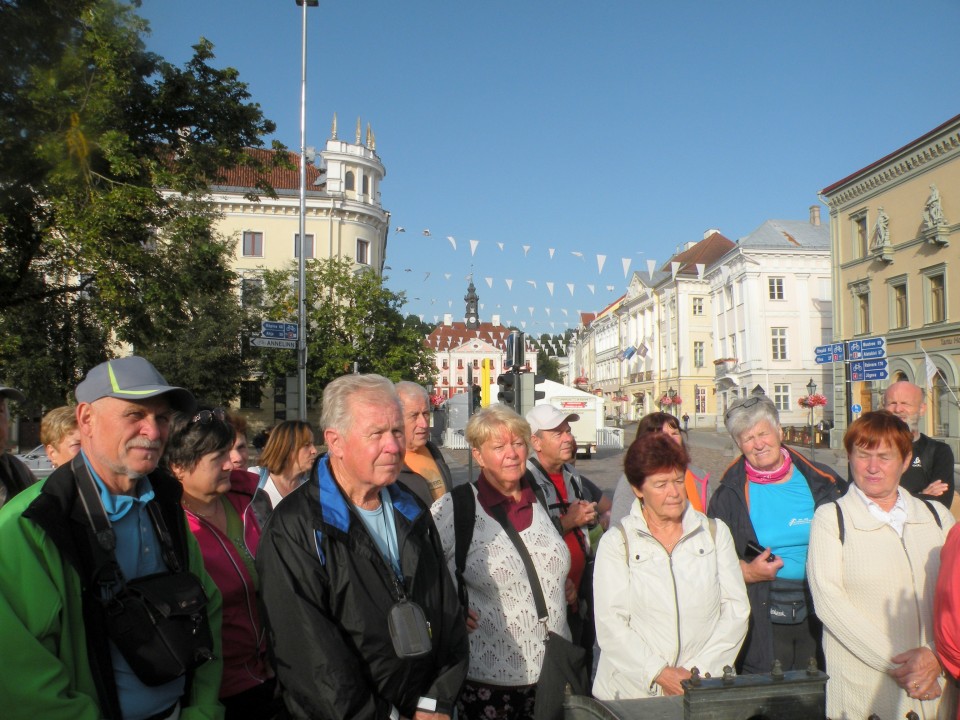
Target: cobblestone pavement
710,450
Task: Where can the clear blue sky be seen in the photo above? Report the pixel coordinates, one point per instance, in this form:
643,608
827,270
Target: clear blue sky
621,128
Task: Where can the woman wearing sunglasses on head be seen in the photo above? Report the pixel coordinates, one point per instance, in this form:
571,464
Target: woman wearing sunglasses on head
767,498
217,501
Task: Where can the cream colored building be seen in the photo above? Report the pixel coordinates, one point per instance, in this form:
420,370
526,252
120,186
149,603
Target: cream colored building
344,216
895,237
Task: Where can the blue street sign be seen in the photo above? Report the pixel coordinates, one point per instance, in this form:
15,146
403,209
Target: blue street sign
829,353
875,374
282,330
823,359
856,371
875,364
866,348
856,408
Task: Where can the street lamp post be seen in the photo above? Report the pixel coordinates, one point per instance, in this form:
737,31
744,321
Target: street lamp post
696,403
811,391
301,240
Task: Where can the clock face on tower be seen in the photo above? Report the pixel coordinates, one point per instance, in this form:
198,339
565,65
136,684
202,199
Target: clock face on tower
471,318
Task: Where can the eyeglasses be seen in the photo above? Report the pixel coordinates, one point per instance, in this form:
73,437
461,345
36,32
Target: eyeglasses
743,406
205,417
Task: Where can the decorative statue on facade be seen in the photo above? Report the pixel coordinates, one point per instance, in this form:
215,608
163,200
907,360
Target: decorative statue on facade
933,211
881,231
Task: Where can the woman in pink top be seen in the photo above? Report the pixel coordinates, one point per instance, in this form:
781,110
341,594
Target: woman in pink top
216,499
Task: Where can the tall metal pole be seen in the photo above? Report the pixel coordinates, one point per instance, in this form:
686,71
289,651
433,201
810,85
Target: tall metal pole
301,240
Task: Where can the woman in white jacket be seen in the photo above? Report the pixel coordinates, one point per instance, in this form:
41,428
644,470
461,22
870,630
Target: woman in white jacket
668,589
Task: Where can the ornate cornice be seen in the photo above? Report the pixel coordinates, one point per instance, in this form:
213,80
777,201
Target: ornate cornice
935,148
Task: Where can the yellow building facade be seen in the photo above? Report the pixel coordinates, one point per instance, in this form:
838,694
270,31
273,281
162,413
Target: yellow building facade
895,240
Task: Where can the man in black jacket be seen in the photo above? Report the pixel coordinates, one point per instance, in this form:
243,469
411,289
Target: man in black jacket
14,475
342,562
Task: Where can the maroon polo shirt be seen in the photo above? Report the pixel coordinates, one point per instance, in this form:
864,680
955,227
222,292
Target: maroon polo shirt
519,512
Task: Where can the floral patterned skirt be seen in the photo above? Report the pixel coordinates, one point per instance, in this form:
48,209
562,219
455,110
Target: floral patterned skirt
479,701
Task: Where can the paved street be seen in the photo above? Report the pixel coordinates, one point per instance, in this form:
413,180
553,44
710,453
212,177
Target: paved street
710,450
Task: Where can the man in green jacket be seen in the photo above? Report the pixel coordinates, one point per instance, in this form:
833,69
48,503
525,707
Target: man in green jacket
52,624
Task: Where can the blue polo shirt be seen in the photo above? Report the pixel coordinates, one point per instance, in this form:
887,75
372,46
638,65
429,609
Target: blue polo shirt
781,514
138,553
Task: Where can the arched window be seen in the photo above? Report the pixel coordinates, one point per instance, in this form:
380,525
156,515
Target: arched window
349,182
365,184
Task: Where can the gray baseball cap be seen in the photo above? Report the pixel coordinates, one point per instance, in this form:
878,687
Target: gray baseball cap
131,378
12,394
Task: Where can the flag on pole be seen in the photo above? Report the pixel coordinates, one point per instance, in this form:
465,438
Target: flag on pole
931,372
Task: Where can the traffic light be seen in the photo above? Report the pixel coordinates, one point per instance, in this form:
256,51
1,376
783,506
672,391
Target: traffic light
529,393
507,395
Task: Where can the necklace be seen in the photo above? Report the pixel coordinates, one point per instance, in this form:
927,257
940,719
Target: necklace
216,509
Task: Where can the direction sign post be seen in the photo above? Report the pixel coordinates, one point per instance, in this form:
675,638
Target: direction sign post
269,342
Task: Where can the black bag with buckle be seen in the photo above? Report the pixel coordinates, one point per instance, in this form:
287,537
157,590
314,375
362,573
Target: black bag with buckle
158,622
788,601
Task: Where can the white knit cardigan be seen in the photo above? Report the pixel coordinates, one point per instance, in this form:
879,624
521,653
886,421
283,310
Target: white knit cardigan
507,647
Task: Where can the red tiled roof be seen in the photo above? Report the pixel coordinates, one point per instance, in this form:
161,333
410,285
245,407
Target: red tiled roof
445,337
587,318
705,252
242,176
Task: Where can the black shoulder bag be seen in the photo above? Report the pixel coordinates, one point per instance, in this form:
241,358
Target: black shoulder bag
158,622
564,663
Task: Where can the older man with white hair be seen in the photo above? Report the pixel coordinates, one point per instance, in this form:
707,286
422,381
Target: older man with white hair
364,620
424,470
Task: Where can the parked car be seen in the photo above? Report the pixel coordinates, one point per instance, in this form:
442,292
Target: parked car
37,461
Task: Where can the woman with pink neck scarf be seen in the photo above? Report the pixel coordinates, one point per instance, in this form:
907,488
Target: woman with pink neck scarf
767,498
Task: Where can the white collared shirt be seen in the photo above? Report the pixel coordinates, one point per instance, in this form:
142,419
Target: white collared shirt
895,518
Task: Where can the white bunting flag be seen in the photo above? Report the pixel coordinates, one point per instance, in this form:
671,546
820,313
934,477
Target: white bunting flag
447,275
552,251
601,259
700,268
651,266
532,282
509,282
514,309
570,288
576,253
452,240
626,265
526,249
592,289
550,288
531,310
500,245
473,247
489,282
674,269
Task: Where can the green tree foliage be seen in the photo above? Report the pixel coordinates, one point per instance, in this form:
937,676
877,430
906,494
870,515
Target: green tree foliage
351,318
93,130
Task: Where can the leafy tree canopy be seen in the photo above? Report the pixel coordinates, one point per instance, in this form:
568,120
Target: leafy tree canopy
352,321
95,133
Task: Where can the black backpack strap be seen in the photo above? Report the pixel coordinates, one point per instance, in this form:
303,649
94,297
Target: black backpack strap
464,518
933,510
840,532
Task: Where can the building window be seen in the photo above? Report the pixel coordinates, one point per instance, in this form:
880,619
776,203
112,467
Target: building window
775,285
252,244
363,252
778,343
308,245
733,346
861,239
698,306
250,394
365,185
937,293
459,363
728,296
863,313
476,364
700,399
698,350
251,292
781,397
899,317
446,364
349,181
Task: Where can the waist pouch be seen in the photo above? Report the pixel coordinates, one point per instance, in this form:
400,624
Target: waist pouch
788,601
159,624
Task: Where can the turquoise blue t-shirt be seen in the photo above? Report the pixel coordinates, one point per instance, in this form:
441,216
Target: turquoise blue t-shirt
382,528
781,514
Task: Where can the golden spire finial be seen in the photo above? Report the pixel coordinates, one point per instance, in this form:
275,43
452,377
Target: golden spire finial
333,128
369,136
358,130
